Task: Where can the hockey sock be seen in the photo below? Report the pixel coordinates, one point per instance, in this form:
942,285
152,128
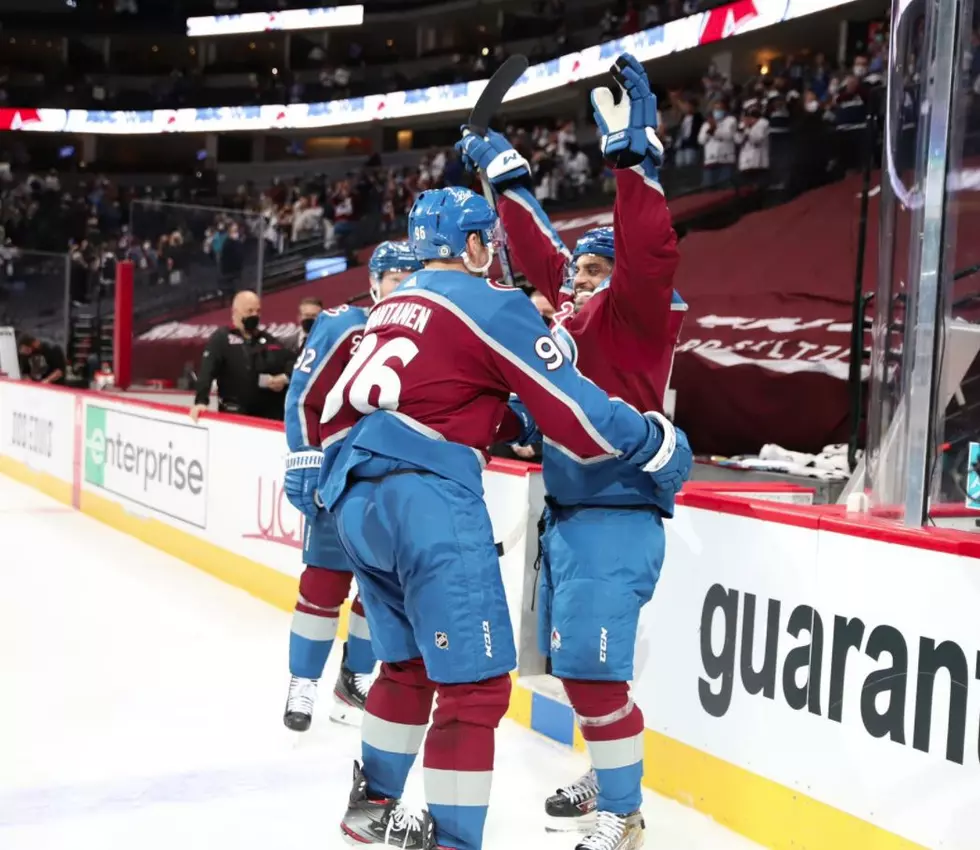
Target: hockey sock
321,593
395,718
360,656
459,753
612,726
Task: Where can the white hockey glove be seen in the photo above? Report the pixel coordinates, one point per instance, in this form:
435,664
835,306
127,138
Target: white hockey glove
671,466
629,138
302,475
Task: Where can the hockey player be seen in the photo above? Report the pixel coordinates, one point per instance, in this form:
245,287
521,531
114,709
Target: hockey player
406,431
326,580
603,544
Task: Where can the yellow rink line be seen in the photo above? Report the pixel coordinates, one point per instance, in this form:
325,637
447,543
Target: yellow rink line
764,811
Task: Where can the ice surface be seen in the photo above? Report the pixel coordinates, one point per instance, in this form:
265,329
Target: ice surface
141,708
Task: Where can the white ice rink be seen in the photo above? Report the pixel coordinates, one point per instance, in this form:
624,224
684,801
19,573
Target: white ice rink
141,704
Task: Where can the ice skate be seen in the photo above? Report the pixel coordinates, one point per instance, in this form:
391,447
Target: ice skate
299,703
350,695
614,832
383,821
572,808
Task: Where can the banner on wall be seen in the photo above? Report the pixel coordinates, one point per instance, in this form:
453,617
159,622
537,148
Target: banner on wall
685,34
36,428
156,463
286,20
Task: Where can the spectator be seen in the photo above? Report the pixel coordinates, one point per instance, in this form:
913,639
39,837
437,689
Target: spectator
41,362
811,148
250,366
850,108
686,145
753,139
717,137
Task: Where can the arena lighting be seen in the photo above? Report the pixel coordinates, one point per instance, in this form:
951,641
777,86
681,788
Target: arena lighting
285,21
685,34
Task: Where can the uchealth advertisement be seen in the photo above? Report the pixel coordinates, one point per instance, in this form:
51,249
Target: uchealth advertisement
36,428
157,463
856,662
251,514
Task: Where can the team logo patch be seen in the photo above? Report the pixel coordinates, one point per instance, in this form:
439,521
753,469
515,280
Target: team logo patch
555,640
442,640
443,250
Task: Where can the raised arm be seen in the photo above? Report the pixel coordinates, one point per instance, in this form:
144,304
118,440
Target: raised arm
641,288
642,284
536,248
535,245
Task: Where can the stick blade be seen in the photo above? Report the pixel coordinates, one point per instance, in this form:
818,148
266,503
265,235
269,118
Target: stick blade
496,89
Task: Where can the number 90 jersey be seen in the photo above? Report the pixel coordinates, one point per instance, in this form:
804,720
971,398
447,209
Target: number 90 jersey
428,385
330,345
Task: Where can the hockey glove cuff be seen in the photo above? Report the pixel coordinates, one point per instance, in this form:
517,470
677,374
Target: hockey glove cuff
671,466
302,475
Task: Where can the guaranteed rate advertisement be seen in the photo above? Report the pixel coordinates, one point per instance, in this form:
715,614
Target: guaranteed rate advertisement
152,462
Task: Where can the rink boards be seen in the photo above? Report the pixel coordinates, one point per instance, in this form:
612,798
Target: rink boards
809,681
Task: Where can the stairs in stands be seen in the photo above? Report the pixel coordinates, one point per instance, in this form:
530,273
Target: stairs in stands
91,333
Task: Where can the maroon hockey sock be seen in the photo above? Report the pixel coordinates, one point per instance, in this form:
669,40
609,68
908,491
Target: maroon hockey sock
612,726
395,718
459,753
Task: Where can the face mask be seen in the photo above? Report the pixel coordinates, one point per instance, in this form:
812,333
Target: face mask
718,114
307,325
811,106
860,70
250,323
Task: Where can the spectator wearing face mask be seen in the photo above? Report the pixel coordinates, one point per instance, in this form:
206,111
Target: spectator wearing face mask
752,138
812,129
717,138
250,365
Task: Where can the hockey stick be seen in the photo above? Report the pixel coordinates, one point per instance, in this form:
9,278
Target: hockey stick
486,106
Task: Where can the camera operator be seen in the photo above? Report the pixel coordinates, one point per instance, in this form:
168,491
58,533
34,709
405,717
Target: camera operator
251,366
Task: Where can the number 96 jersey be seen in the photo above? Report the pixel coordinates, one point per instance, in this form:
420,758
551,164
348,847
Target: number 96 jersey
427,387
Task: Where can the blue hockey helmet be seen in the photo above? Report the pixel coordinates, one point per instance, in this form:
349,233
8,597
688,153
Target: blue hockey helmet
390,257
598,241
442,219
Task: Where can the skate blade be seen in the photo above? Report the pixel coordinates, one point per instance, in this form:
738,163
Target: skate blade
346,715
350,839
583,823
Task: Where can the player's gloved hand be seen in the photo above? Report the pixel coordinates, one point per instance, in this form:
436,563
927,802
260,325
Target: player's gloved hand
529,428
302,474
628,128
671,466
494,156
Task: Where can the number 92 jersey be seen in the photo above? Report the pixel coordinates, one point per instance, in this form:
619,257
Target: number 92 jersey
329,347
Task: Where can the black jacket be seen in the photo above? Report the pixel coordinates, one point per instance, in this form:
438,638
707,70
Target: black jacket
237,363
